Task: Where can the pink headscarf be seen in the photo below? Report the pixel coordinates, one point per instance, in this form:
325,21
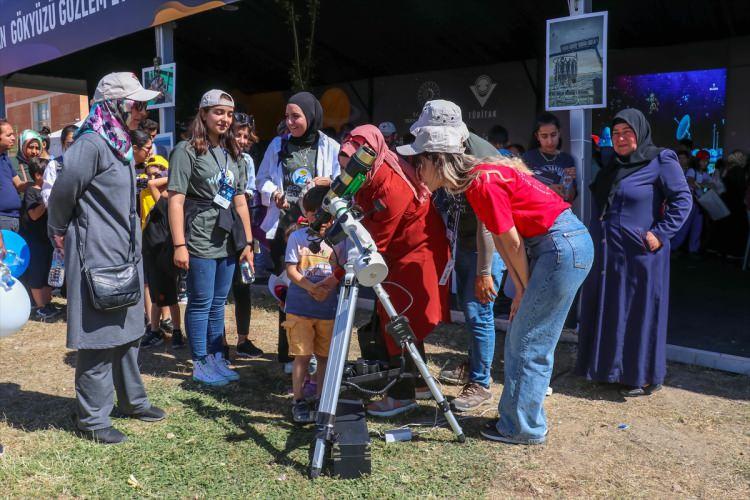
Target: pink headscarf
371,135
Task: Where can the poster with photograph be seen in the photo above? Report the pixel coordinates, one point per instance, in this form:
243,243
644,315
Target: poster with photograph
576,76
163,80
163,144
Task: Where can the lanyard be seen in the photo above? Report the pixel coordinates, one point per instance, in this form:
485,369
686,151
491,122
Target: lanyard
226,162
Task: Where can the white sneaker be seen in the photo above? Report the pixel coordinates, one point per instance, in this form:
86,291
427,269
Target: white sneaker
219,365
203,372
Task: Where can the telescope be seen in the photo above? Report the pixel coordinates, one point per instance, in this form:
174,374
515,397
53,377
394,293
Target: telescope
364,266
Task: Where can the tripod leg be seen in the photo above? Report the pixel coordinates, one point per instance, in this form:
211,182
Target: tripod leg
419,362
339,350
435,390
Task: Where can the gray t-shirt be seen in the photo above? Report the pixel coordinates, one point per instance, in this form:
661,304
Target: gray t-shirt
199,177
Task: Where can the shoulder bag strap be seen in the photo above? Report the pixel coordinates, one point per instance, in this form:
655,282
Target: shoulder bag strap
133,216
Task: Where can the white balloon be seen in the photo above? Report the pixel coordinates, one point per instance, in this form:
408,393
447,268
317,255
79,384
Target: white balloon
15,308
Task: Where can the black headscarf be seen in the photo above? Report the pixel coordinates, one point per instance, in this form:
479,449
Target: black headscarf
313,112
622,166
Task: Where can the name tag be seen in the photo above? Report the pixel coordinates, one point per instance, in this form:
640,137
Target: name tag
224,197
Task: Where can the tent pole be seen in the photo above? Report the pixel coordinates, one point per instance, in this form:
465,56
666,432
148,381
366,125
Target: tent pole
165,53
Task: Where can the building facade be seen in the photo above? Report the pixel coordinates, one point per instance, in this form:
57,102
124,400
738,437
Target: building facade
34,109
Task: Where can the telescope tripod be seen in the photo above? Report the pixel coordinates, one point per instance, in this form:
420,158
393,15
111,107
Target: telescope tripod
399,329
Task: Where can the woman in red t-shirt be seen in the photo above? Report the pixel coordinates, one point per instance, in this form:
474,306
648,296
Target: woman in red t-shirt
548,252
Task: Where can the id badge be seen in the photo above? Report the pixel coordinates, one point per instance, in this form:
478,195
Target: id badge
224,197
447,272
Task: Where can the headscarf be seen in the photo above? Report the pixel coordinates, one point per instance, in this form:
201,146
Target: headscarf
313,112
373,137
620,167
109,119
26,137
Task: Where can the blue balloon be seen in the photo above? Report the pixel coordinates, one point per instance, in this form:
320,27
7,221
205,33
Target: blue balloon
17,254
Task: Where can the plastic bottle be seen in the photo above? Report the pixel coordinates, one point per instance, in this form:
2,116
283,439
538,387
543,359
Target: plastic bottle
567,186
56,275
248,276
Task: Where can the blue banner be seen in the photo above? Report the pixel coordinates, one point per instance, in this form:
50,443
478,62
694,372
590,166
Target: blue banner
33,32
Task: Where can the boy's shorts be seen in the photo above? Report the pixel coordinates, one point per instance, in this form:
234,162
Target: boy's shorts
308,336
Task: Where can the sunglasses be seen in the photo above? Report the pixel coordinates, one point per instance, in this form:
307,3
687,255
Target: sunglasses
244,120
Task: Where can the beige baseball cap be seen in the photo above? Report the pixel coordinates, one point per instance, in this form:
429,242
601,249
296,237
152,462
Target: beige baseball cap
216,97
439,129
122,86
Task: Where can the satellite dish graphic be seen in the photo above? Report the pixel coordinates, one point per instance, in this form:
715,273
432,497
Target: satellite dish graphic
683,128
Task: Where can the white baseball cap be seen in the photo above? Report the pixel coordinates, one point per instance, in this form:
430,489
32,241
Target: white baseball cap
122,85
387,128
216,97
439,129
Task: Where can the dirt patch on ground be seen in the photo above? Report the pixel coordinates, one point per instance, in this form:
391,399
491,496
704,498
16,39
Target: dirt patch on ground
691,439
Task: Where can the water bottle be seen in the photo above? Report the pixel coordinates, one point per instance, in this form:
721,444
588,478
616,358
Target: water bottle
248,276
56,275
567,186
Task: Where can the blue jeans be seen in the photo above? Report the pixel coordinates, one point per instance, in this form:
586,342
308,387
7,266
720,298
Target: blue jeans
559,262
479,317
208,283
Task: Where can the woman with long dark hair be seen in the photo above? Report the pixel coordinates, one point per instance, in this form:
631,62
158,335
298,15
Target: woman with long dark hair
301,156
641,199
210,224
547,162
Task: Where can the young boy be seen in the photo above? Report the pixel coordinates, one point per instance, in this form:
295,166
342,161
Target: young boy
34,231
310,303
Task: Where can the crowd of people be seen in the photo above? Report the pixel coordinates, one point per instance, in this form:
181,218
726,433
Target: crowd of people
440,202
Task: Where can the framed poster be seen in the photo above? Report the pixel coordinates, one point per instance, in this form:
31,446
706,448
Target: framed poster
164,80
576,76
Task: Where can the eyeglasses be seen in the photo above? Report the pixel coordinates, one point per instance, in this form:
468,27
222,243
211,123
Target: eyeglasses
244,120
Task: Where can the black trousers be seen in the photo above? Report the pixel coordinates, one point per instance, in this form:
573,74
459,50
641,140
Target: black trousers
278,251
242,302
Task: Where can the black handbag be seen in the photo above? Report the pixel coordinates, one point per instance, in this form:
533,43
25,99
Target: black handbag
113,287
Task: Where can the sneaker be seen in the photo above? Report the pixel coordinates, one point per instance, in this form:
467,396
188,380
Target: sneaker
389,407
471,396
204,373
489,431
178,340
248,350
313,366
288,368
166,325
221,366
456,376
46,313
301,413
110,435
152,339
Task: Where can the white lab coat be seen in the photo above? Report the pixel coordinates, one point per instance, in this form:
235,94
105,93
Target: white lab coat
270,175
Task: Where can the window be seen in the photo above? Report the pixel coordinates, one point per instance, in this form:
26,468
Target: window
40,114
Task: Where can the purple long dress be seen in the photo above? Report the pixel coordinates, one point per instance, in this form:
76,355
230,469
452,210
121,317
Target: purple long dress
625,304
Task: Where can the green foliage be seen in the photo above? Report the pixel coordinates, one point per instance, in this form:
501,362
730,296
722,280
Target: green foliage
302,64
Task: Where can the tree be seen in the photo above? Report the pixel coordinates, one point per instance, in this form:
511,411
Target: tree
301,70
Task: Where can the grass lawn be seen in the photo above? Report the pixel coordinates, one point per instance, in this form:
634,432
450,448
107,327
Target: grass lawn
691,439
